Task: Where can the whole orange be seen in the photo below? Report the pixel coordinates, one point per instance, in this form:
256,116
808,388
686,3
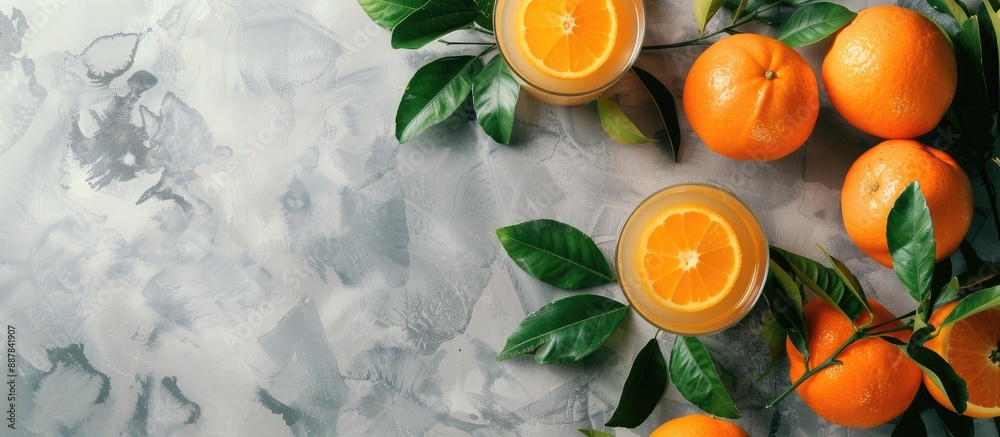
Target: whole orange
972,347
891,73
751,97
875,383
698,425
877,178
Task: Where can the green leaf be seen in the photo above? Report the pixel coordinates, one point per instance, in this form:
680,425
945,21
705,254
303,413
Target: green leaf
974,303
740,8
432,21
435,91
388,13
617,124
951,8
485,19
556,253
785,302
911,242
948,293
494,94
910,424
813,23
644,386
595,433
955,425
940,373
774,336
988,25
821,280
695,376
850,281
566,330
704,10
969,54
664,102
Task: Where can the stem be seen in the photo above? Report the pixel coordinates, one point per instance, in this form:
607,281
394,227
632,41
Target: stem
482,31
809,373
464,43
909,314
898,328
728,29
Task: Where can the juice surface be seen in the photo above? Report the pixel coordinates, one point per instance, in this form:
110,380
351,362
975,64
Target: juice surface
692,259
630,27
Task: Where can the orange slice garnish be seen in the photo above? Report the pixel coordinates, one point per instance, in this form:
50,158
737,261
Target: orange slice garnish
973,350
689,258
568,39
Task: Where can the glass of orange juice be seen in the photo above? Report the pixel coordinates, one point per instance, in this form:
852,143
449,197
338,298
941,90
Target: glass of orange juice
692,259
567,52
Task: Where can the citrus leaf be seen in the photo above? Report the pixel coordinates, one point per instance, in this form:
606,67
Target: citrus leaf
433,20
951,8
988,24
433,93
494,95
388,13
974,303
665,106
813,23
566,330
971,79
595,433
821,280
911,242
644,386
740,8
774,336
556,253
785,302
948,293
695,376
955,425
850,282
939,372
910,424
704,10
617,124
485,18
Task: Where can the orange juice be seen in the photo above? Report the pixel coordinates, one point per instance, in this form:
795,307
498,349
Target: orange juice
727,245
627,41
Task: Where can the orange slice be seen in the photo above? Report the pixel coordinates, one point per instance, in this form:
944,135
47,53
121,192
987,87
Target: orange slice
972,347
568,39
689,258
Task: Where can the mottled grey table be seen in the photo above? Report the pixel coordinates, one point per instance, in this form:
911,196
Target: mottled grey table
208,228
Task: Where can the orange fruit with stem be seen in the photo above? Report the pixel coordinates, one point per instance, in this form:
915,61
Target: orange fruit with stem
568,39
751,97
875,382
891,72
689,258
877,178
972,347
698,425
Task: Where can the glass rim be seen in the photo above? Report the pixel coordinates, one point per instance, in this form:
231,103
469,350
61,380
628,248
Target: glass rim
628,65
757,292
